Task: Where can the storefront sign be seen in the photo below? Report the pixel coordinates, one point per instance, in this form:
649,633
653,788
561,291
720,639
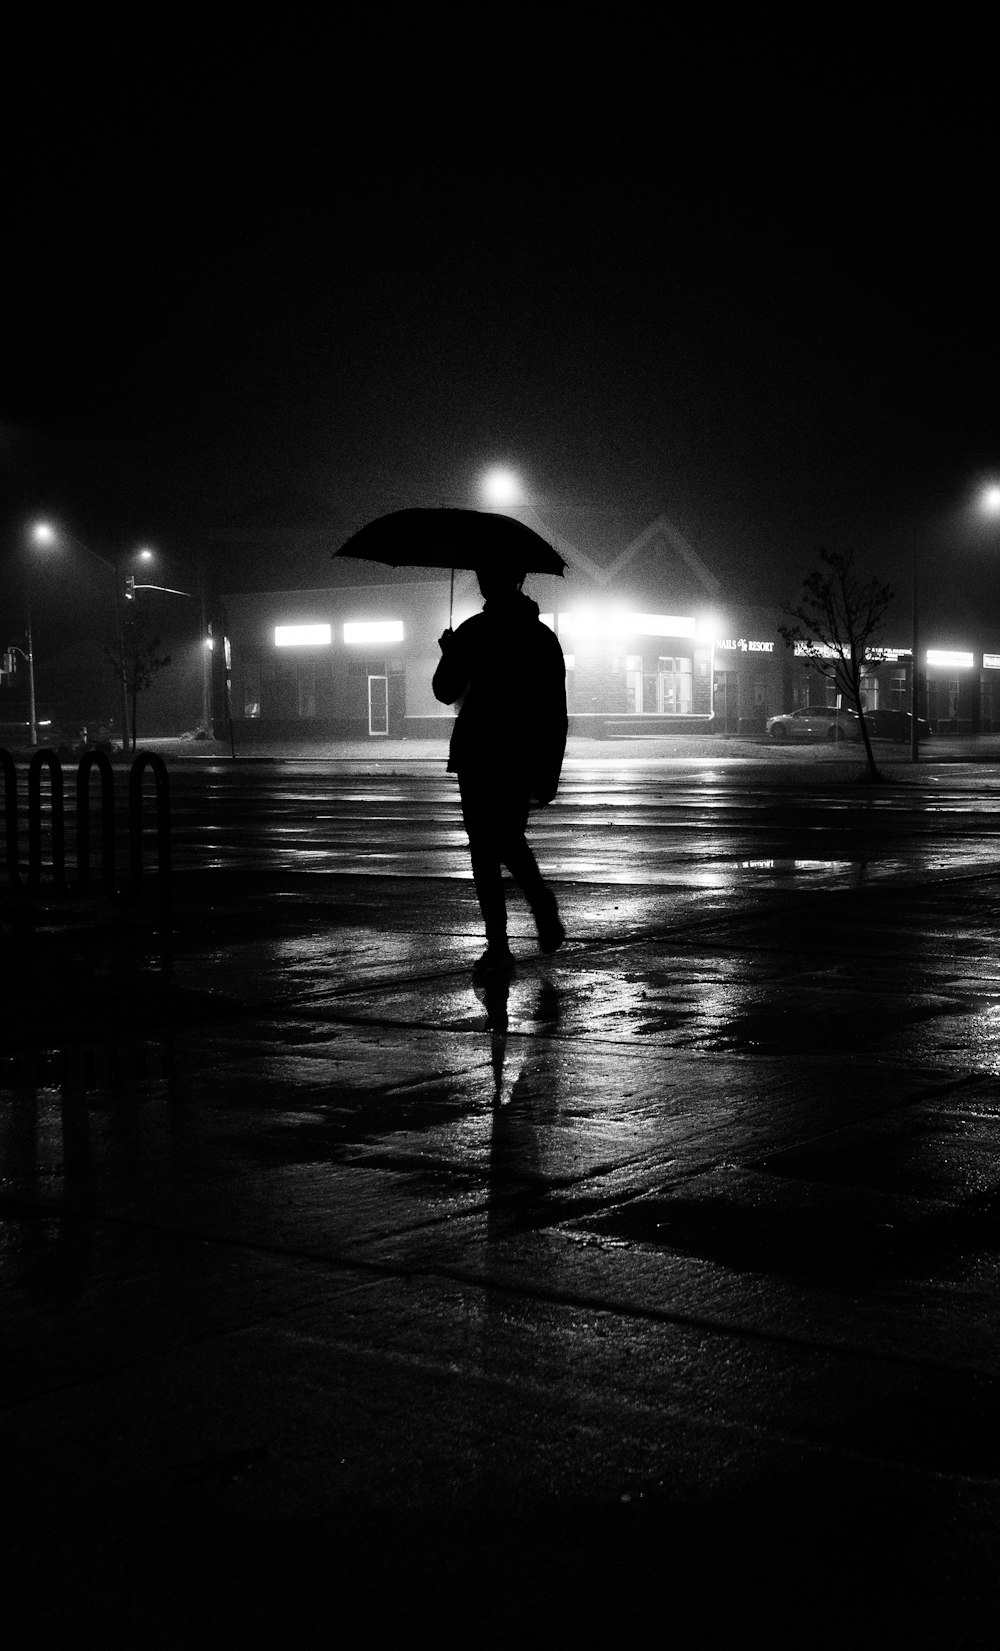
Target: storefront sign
873,656
743,645
991,662
942,656
302,636
373,630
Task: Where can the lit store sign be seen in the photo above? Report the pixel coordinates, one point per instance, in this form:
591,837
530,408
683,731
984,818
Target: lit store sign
991,662
373,630
873,656
302,636
957,661
743,645
590,624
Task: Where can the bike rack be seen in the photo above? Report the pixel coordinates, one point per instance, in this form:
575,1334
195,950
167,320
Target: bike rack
47,761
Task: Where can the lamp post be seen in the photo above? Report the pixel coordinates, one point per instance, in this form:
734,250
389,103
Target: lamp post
30,656
43,533
914,673
988,505
147,555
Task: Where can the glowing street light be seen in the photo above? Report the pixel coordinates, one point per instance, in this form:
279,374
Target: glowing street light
42,534
148,555
502,487
987,504
45,533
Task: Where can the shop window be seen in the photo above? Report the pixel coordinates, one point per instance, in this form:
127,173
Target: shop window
674,686
267,688
307,690
668,690
726,699
251,690
898,696
286,693
633,684
951,697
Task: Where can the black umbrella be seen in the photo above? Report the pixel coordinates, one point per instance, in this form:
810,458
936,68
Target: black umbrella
452,538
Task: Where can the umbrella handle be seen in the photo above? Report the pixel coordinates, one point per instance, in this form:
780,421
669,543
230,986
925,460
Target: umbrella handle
451,601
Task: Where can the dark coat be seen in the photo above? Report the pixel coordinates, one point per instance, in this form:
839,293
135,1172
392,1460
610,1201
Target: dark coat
507,668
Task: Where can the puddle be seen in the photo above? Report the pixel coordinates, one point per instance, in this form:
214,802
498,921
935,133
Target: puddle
823,1028
826,1244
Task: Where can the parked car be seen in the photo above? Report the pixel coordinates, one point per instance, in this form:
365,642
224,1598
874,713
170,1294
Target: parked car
16,736
895,725
815,722
68,740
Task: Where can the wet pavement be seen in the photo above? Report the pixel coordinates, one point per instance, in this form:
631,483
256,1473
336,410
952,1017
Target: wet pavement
654,1293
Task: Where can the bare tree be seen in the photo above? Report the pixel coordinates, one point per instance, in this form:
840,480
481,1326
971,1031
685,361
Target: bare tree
834,625
137,664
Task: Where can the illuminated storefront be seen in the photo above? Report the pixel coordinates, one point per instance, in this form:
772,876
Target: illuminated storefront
357,660
337,663
958,688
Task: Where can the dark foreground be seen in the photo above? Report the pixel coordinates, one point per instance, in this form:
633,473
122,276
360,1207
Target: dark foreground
333,1316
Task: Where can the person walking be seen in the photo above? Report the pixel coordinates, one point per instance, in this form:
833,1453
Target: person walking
507,747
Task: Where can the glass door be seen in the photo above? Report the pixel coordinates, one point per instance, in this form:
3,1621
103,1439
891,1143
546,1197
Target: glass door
378,705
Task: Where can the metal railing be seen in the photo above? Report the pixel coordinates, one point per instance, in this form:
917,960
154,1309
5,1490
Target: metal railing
30,881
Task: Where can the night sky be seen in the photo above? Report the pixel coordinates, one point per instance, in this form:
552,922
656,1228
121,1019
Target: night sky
750,283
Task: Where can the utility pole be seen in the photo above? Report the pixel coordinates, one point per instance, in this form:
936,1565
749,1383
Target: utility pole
30,656
914,675
122,674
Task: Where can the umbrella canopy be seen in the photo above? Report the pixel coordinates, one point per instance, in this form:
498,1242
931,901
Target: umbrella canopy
446,538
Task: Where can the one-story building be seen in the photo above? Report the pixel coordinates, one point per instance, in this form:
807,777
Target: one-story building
650,643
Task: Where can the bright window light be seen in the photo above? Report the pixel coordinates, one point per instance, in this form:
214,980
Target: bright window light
941,656
590,622
302,636
660,624
373,630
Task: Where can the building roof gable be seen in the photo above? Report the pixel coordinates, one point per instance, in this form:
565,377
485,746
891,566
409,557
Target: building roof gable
658,550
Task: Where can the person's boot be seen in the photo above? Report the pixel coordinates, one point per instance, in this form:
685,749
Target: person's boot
497,957
551,933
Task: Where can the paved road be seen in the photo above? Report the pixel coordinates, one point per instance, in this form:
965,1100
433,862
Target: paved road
700,829
667,1313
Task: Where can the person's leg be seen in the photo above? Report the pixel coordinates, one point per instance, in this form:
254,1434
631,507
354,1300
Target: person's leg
517,856
479,812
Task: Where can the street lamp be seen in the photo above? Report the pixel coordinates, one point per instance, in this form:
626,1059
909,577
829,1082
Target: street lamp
41,535
147,555
502,487
914,674
988,505
44,533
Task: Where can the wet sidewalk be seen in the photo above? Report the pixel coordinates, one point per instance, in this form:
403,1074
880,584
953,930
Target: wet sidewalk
658,1294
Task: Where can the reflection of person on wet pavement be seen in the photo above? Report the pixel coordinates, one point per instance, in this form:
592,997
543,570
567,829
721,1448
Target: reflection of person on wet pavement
507,747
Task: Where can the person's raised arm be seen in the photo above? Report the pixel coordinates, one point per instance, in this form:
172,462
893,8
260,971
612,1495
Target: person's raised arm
451,678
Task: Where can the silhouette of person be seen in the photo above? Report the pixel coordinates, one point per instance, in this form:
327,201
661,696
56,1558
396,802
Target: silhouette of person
507,747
